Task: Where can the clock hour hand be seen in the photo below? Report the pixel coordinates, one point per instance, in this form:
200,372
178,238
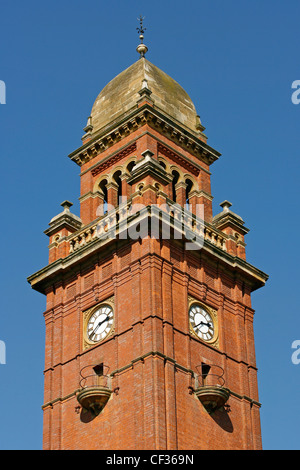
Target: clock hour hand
99,324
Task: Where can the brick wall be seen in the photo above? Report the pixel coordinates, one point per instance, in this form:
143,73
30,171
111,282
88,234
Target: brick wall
151,356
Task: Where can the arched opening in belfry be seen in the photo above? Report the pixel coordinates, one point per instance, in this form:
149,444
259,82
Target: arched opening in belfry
130,166
175,175
189,185
103,189
118,181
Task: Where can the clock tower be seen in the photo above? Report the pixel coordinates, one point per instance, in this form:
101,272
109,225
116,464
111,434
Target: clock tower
149,324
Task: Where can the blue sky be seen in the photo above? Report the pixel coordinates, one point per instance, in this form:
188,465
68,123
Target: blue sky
237,60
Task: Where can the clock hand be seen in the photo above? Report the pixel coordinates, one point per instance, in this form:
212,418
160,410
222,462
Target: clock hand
103,321
202,323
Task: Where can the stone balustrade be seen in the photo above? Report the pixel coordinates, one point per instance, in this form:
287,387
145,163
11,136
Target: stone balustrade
109,225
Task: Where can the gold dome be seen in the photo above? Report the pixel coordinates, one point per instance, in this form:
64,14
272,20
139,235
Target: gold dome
119,97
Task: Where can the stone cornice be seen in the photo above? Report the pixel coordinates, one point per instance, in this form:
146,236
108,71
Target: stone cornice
227,219
65,221
96,194
138,118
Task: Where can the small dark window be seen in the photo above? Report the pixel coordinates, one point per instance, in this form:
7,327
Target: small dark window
98,369
205,368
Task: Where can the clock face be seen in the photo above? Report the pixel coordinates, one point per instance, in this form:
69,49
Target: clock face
201,322
100,323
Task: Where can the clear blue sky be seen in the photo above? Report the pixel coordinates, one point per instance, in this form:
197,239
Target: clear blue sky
237,60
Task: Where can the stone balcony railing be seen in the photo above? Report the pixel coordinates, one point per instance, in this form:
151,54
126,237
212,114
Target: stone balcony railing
95,390
210,387
119,219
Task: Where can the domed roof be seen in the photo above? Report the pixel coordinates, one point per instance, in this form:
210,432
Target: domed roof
121,94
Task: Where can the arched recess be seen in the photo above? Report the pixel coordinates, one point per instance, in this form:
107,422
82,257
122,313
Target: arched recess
103,191
130,167
164,164
189,186
188,176
130,164
116,178
173,168
176,177
98,185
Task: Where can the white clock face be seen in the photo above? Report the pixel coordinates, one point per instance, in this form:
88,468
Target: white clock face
201,322
100,323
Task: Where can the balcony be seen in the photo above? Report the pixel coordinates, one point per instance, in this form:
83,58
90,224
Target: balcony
210,388
95,388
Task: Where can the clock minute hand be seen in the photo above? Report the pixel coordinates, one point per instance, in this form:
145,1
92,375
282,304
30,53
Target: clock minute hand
103,321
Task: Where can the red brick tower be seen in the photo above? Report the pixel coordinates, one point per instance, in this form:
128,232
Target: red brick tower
149,325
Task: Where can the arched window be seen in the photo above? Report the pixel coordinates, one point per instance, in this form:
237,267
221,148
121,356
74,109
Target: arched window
118,181
174,182
189,185
103,188
130,166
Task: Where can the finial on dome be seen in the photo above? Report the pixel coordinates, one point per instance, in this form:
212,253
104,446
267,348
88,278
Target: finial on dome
226,205
66,205
142,48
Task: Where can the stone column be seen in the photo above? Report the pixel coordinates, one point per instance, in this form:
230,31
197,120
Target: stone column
112,194
180,189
